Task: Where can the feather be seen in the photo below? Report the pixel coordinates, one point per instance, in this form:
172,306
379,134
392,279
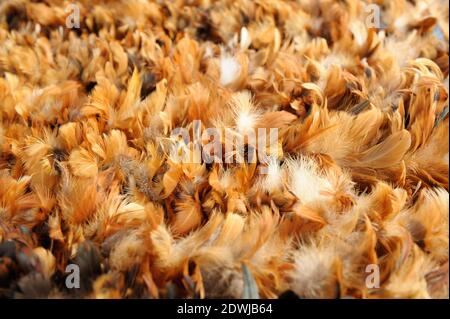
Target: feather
187,215
391,150
82,163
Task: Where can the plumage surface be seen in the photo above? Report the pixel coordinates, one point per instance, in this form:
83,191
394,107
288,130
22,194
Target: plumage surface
358,177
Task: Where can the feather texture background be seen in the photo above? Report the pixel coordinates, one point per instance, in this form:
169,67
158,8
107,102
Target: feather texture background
87,176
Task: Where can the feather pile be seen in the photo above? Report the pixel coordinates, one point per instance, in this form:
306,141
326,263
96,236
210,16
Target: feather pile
360,177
